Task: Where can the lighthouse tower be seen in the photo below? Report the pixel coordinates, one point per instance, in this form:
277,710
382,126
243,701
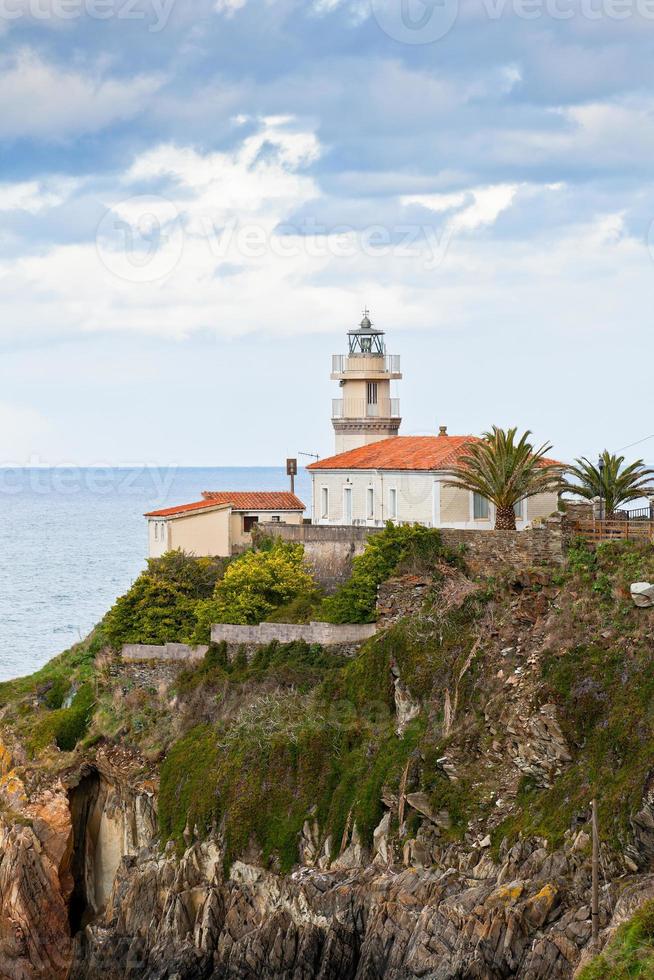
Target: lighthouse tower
365,412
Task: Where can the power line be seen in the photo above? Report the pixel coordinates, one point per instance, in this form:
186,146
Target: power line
637,443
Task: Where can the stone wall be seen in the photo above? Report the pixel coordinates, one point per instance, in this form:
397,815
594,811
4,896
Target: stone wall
139,652
329,549
326,634
484,551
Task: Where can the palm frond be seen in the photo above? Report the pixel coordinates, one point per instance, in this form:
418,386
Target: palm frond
616,483
504,469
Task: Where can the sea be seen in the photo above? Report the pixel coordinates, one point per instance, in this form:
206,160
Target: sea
74,539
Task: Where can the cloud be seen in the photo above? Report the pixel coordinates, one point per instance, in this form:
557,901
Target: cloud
42,101
35,196
229,7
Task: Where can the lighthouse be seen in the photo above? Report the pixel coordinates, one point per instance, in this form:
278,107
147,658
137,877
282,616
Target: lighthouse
365,412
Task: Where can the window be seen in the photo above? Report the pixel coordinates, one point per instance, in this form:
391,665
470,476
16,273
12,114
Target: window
480,507
392,503
276,519
249,522
519,509
324,503
371,503
372,392
156,530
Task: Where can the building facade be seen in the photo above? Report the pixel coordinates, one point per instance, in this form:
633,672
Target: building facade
366,410
220,524
405,480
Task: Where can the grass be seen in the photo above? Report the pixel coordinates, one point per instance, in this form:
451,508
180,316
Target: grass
630,954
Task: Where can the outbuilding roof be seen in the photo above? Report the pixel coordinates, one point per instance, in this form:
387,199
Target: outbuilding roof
403,453
255,500
238,500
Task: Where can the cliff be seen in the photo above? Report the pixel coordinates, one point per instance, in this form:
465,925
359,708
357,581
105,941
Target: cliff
420,809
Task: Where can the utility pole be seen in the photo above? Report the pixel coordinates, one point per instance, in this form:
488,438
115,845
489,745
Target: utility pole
595,878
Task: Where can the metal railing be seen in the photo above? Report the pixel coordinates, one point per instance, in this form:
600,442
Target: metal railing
358,408
638,514
388,364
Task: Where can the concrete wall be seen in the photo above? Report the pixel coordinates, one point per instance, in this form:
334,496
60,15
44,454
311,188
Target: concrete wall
329,550
139,652
326,634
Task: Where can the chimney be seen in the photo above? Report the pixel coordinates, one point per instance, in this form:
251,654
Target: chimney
442,430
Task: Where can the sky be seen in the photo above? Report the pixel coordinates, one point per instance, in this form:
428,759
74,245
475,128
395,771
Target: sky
198,198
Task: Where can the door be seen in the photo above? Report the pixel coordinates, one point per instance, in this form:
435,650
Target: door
347,505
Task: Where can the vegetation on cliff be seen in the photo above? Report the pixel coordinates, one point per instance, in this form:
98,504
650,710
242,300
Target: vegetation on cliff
161,605
630,954
398,548
254,750
255,585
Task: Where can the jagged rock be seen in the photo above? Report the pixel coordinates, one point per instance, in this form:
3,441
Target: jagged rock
380,848
354,855
421,803
406,707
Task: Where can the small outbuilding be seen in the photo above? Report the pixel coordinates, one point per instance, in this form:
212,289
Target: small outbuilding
221,523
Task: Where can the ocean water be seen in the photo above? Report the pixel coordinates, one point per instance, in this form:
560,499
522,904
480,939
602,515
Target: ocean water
72,540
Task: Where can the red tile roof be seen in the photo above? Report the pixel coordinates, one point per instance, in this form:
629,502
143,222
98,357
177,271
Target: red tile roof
253,500
402,453
238,500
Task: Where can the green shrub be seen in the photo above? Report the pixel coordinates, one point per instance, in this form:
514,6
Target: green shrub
254,585
161,605
304,608
398,548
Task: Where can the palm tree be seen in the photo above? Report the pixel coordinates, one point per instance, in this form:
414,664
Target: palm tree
506,471
611,482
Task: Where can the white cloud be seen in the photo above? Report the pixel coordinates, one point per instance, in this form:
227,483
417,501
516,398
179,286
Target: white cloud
225,268
47,102
229,7
34,196
474,209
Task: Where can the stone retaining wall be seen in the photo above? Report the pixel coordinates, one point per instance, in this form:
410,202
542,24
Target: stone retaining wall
326,634
329,549
485,551
140,652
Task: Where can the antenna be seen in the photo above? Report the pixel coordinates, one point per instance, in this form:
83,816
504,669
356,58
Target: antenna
310,455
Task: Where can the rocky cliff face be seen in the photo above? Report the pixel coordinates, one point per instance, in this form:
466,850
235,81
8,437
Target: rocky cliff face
477,864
